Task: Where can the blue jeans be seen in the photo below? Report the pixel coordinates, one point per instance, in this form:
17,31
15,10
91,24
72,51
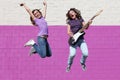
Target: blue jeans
42,48
83,46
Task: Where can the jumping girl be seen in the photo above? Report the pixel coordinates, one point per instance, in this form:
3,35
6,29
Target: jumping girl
38,19
74,23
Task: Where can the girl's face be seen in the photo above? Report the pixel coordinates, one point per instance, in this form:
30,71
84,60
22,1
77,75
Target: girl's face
37,14
72,14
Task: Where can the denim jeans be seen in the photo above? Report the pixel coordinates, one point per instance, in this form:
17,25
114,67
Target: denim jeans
83,46
42,48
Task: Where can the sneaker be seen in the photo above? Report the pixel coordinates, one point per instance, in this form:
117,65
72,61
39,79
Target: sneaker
83,66
68,68
32,51
30,43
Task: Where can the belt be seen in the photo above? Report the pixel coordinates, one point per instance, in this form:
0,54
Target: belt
44,36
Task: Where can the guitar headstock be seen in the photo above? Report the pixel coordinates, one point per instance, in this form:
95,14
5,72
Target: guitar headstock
99,12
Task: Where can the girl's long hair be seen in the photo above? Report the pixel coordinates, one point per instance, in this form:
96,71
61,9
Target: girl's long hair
32,21
78,13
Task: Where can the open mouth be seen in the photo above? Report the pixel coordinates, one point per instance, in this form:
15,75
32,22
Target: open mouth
72,16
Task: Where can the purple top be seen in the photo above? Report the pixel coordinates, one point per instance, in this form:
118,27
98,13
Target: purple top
42,25
75,25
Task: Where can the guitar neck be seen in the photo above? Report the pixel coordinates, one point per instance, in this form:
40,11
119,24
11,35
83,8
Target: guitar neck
87,25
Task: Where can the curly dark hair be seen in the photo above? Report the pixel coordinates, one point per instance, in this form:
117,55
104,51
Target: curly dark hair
76,11
32,21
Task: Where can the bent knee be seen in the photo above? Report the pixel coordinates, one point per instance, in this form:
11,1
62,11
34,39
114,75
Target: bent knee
42,56
85,54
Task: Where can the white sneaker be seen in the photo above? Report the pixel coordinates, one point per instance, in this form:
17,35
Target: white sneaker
32,51
30,43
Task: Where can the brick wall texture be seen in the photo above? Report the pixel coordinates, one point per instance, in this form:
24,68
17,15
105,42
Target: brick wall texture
102,63
12,14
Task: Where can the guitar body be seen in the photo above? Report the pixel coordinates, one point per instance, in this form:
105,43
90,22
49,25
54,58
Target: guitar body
73,40
70,41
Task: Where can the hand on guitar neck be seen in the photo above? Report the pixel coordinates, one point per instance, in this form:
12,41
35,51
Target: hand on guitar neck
88,24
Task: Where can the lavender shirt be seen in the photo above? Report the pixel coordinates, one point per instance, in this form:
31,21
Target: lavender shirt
42,25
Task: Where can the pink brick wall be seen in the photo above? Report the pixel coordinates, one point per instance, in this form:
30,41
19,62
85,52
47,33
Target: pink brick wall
102,63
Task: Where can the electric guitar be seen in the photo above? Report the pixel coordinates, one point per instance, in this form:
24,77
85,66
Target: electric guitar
76,36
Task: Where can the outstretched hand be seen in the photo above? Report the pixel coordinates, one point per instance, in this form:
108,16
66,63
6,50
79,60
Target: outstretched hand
44,3
22,4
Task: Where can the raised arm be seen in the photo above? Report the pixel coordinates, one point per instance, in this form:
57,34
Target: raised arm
28,10
86,25
45,8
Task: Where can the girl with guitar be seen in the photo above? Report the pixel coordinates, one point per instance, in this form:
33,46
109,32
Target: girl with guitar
38,19
75,22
